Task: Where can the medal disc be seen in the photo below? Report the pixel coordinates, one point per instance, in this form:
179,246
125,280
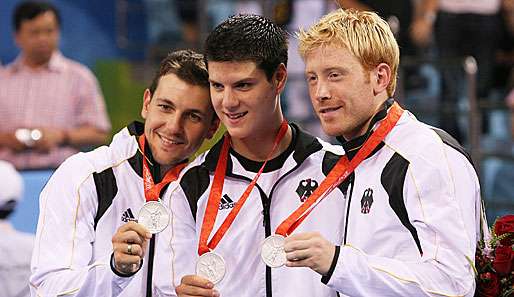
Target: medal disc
211,266
154,216
272,251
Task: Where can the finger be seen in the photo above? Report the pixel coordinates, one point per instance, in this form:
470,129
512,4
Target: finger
135,250
301,236
301,263
186,290
131,249
197,281
138,228
144,246
130,237
298,255
194,285
297,244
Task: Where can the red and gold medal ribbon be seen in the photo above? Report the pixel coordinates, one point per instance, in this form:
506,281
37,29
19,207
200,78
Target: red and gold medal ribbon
152,190
340,172
211,210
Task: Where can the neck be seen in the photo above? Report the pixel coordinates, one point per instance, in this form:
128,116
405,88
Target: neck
34,64
257,148
365,126
165,168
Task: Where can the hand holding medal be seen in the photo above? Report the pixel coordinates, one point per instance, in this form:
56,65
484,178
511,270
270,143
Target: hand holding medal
131,240
211,265
129,246
310,249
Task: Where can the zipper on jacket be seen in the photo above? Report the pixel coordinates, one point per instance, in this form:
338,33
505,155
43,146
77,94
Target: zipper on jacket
267,225
348,204
266,202
266,206
149,277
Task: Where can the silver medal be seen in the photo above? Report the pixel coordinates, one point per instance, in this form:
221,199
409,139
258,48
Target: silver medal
211,266
154,216
272,251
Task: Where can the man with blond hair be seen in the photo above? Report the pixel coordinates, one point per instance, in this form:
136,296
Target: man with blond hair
412,215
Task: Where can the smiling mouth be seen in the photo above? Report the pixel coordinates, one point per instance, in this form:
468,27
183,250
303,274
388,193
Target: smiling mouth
235,116
170,141
330,109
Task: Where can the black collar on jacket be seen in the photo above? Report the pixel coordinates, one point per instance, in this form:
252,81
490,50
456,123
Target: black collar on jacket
136,162
302,146
352,146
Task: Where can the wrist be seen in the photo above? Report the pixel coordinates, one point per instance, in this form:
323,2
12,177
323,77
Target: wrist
121,273
328,275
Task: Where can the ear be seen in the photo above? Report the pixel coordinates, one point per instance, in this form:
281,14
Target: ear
213,127
380,77
147,98
16,37
280,77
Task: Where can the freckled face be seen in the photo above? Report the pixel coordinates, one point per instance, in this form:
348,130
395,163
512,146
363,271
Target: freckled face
340,91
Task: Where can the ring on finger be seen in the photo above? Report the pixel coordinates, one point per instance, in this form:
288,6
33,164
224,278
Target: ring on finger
129,248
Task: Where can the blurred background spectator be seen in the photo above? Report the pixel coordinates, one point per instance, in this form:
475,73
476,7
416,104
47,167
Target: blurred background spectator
16,246
50,106
122,40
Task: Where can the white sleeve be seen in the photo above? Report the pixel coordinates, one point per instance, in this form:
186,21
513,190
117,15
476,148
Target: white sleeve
446,226
63,251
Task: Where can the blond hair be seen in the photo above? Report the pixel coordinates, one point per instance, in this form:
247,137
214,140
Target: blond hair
363,33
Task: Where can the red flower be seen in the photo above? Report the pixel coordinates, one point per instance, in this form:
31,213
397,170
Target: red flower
504,225
489,285
503,260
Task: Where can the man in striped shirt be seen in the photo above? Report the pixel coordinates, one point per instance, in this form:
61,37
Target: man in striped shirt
50,106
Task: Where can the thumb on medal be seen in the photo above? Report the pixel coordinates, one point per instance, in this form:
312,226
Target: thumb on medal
194,285
309,249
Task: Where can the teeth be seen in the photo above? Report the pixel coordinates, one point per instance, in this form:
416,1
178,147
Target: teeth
169,141
236,116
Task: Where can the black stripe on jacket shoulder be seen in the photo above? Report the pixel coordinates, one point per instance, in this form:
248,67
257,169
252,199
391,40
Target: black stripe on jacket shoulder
393,179
452,142
329,161
194,183
106,190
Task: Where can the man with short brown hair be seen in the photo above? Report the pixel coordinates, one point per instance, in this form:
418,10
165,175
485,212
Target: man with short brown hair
102,212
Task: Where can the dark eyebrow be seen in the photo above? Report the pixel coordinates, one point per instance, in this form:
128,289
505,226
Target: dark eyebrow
244,80
164,100
191,110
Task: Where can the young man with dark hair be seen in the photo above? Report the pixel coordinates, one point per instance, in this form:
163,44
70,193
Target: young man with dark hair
94,195
50,106
245,195
413,208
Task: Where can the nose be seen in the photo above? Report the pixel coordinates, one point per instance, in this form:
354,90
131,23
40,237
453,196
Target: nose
175,124
322,90
230,101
